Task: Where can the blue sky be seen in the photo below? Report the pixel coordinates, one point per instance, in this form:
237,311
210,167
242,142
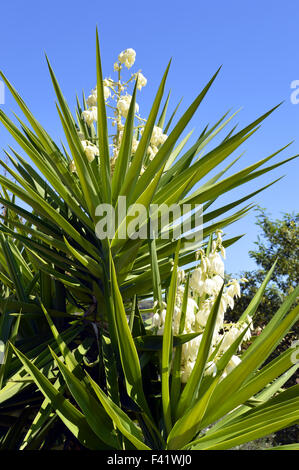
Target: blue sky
257,43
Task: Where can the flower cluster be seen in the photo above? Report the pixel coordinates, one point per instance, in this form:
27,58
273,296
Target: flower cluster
123,105
127,57
118,99
157,139
90,150
205,284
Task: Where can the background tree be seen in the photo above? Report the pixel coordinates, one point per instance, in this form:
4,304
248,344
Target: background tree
279,240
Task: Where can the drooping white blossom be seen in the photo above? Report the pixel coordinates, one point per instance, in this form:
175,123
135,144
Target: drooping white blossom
90,150
90,115
205,284
123,105
234,288
216,264
127,57
157,137
93,97
142,81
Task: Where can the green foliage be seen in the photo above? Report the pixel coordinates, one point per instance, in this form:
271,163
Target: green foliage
278,242
74,366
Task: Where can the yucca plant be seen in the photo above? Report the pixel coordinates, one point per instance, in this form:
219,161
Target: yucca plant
139,402
58,272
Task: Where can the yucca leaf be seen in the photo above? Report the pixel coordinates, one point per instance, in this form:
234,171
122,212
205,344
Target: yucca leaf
120,418
253,359
176,384
127,349
136,164
171,117
168,344
123,159
162,117
154,342
102,129
163,153
93,411
279,412
253,305
42,207
187,426
89,263
13,268
71,416
111,374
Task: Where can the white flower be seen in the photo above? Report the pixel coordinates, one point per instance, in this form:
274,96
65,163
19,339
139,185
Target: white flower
203,314
222,251
191,306
92,99
123,105
90,115
193,347
229,338
181,276
218,281
142,81
219,324
233,289
190,314
176,319
244,325
156,320
160,331
185,351
108,82
186,371
196,281
250,322
127,57
212,285
216,264
205,262
228,300
247,335
107,93
116,67
209,286
90,150
157,137
163,316
151,151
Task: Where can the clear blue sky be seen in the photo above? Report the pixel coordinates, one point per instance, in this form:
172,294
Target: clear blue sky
256,41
